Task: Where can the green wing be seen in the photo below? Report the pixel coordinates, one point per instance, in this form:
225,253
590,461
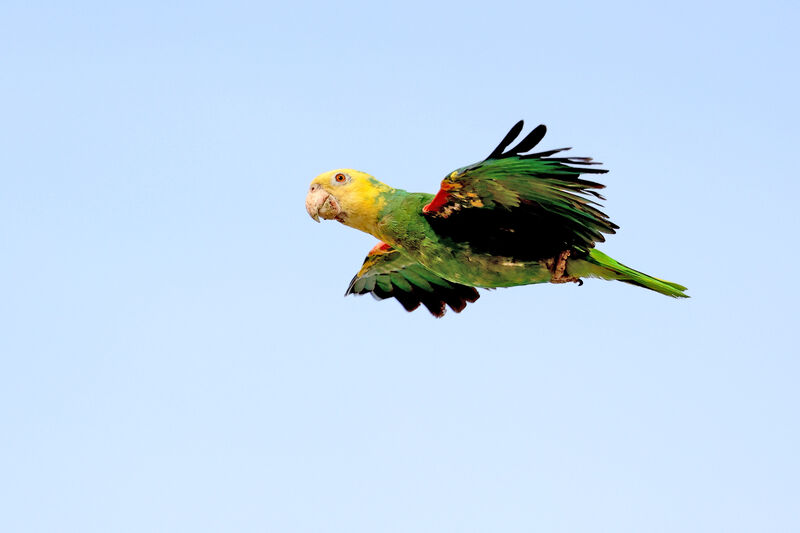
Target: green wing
389,273
521,205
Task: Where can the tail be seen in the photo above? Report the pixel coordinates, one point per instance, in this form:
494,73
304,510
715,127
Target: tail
611,269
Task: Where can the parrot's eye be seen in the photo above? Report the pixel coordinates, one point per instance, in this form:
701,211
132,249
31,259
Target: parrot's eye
340,178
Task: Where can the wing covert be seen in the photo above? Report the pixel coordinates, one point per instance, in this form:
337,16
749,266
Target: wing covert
529,206
389,273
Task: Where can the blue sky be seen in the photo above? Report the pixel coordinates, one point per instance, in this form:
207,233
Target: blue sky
176,354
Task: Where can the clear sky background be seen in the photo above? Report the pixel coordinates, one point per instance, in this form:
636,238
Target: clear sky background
175,351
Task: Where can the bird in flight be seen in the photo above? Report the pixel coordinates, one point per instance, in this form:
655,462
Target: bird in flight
515,218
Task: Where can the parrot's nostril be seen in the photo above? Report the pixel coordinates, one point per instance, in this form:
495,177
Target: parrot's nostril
314,187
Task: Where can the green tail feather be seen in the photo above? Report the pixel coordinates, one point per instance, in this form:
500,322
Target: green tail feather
615,270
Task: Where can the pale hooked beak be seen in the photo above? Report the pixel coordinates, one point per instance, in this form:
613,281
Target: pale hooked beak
320,203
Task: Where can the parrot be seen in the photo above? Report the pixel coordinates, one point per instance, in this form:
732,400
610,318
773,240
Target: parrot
516,218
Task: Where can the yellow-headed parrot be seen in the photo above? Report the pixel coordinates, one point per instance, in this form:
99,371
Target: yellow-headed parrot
515,218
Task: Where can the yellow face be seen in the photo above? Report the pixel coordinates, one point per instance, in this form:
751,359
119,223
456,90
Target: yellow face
347,195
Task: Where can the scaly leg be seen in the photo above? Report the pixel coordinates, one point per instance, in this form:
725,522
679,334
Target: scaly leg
557,266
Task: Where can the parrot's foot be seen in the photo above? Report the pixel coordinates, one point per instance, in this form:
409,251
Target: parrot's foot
558,266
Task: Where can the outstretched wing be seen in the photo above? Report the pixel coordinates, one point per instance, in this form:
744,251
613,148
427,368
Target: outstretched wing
521,205
388,273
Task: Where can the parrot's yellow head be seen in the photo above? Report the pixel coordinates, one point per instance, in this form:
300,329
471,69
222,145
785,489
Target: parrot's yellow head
353,198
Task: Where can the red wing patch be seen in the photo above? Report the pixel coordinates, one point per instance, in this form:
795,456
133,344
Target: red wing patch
441,198
438,201
380,248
